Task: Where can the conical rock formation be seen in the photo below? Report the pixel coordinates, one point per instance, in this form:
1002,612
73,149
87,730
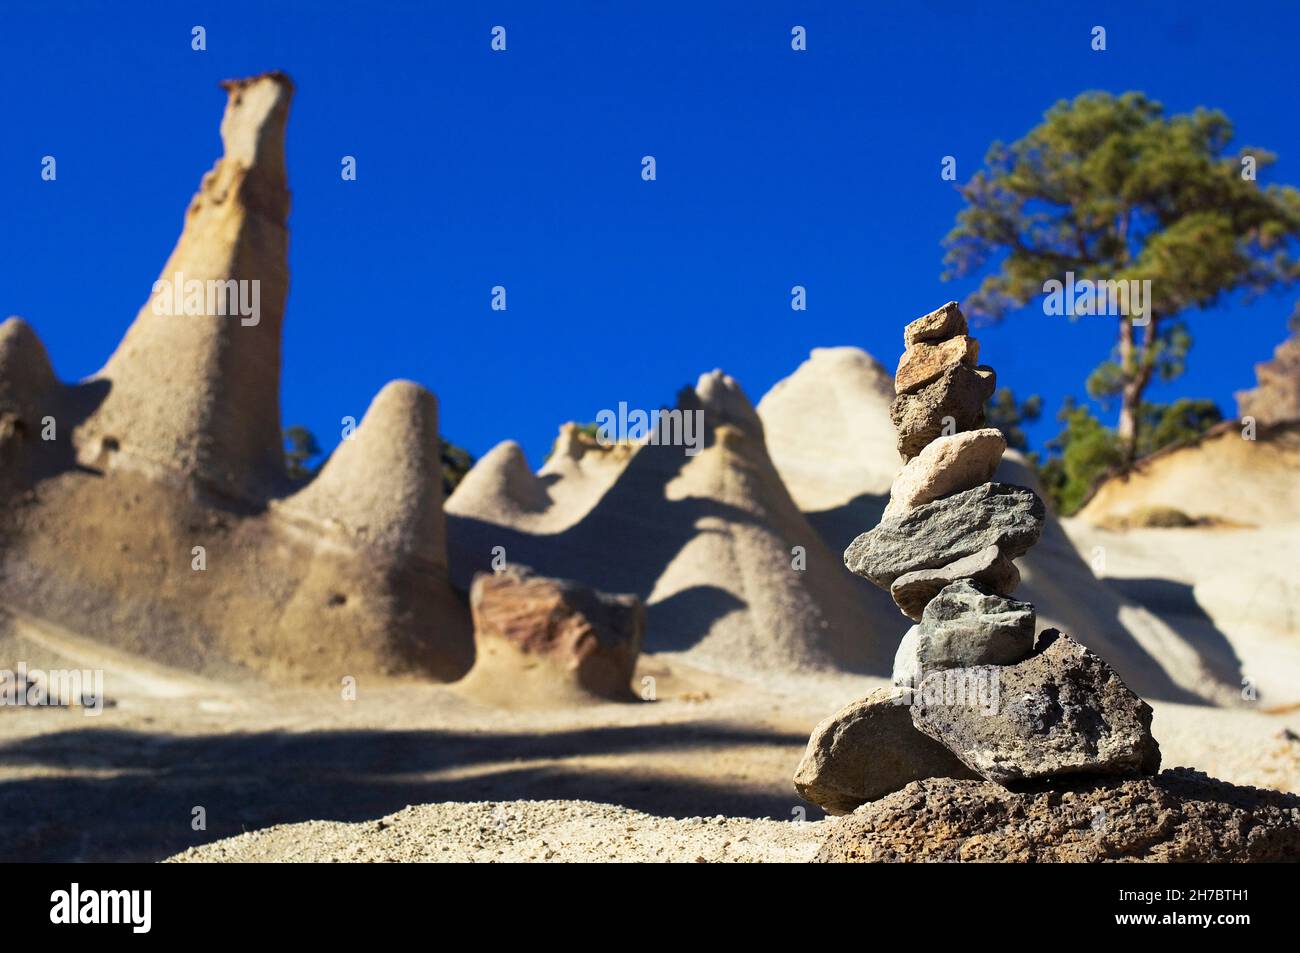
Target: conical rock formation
194,384
703,531
382,487
26,377
828,430
173,538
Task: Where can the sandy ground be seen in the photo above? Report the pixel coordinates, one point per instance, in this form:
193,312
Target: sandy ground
524,831
588,782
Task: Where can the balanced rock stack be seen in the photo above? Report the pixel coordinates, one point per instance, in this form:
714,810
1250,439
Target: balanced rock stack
975,696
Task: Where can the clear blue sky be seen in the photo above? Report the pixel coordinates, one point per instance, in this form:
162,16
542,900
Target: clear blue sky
775,168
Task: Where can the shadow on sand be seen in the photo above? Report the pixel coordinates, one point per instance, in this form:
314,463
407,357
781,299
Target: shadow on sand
131,795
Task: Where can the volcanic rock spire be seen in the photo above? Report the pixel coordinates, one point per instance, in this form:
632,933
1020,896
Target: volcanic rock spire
194,385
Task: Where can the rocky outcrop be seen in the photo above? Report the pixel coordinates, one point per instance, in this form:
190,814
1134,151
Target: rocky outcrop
1276,399
1179,816
26,376
27,387
539,639
731,572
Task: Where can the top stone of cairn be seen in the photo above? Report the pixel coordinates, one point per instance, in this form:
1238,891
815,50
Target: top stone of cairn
938,325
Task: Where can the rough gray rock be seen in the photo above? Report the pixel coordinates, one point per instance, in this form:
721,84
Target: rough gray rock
866,750
1061,711
1180,816
938,533
959,393
962,627
912,591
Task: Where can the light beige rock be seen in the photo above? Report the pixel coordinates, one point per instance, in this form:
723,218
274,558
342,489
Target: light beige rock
195,397
942,323
382,487
922,362
868,749
947,465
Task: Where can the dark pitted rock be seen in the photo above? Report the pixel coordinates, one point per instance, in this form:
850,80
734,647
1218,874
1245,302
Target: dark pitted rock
913,591
962,627
1061,711
866,750
1180,816
938,325
943,531
954,400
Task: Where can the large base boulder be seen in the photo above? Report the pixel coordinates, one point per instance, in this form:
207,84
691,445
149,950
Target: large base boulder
1180,816
1061,711
866,750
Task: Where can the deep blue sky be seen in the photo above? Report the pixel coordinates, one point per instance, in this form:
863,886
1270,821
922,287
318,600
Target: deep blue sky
523,169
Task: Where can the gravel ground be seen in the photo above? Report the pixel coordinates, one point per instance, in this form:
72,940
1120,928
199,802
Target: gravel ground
523,831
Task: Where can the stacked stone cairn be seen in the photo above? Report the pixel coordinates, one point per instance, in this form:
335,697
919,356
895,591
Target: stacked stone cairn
976,694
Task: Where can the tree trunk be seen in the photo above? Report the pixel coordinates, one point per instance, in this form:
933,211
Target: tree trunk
1136,366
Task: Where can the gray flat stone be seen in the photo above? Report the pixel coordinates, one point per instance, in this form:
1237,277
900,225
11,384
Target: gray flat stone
941,532
913,591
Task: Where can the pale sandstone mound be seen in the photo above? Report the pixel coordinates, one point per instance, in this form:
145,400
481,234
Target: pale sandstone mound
541,641
708,540
382,487
196,396
1179,816
1222,477
501,483
26,376
1277,398
27,389
828,430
